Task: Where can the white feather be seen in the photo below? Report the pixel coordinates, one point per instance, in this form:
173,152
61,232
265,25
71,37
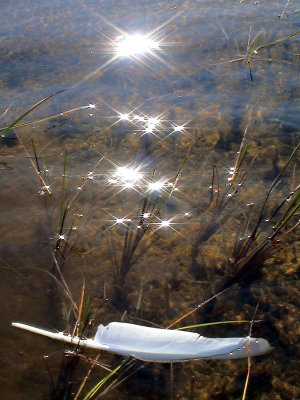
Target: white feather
160,345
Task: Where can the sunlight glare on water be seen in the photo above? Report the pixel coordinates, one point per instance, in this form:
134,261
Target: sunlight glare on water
135,44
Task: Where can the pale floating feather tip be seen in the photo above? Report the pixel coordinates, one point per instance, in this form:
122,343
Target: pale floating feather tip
160,345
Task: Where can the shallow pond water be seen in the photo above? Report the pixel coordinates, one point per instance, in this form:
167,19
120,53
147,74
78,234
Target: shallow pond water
145,186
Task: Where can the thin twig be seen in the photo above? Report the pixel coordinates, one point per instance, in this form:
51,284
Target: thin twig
77,324
45,186
281,15
249,357
196,308
241,153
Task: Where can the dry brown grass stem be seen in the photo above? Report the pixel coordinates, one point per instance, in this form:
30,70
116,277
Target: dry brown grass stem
249,357
196,308
46,187
240,152
66,288
93,363
77,324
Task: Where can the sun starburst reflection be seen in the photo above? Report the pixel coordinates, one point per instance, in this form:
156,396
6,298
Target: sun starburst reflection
143,124
165,223
127,174
136,178
131,45
178,128
156,186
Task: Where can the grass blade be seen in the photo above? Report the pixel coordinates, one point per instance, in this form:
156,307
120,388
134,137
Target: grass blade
253,49
96,388
211,323
36,121
35,156
275,42
271,189
14,123
291,209
62,201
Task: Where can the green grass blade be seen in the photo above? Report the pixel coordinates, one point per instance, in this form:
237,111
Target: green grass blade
271,189
284,220
44,157
244,151
239,162
63,209
290,210
35,156
276,41
36,121
253,49
87,311
98,386
14,123
212,323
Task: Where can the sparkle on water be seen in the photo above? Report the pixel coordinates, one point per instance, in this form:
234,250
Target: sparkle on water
128,185
149,129
127,174
112,181
153,121
156,185
178,128
122,220
124,117
165,223
131,45
151,125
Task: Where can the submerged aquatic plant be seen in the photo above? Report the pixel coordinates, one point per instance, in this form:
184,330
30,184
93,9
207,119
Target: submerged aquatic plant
150,210
248,255
252,50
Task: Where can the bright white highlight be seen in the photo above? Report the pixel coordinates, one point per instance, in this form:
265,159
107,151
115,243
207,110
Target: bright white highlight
124,117
156,185
153,121
128,174
165,223
122,220
128,185
178,128
90,176
131,45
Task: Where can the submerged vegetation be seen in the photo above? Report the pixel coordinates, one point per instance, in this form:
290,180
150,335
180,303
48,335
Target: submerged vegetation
264,231
185,217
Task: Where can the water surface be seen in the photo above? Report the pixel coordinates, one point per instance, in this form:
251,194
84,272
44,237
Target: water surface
199,86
